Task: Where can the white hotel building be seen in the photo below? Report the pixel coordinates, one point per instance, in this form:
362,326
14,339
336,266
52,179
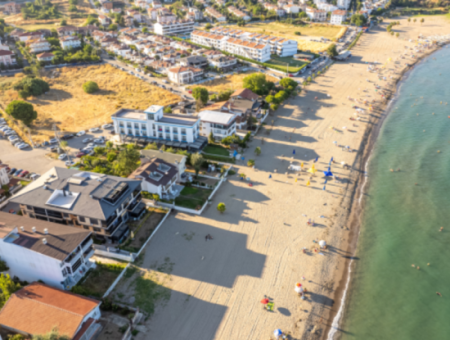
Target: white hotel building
247,49
151,125
174,27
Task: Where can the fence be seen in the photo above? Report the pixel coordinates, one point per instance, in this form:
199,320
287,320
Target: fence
115,282
113,253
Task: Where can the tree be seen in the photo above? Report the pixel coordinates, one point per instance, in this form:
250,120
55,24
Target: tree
126,161
111,157
63,145
331,51
208,26
422,20
358,19
211,138
167,109
109,144
197,161
90,87
30,86
53,335
63,22
200,93
22,111
221,207
302,15
258,84
7,288
415,20
397,34
145,30
288,84
112,27
251,162
257,151
409,19
151,146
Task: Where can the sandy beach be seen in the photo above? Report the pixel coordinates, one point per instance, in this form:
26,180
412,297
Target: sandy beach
257,247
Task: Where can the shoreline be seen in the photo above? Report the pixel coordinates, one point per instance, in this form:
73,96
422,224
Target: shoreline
356,204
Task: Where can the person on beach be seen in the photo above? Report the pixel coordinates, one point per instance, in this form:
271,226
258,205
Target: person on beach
439,294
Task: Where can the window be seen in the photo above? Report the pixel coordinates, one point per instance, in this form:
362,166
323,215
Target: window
76,265
94,221
97,230
136,125
64,272
81,219
66,215
150,116
86,227
183,131
29,207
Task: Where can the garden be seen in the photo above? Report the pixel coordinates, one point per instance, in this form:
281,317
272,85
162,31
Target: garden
193,197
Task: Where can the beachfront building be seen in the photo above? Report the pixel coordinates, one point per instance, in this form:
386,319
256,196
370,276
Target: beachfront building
215,14
221,124
279,46
151,125
87,200
316,14
175,27
343,4
338,17
38,309
41,250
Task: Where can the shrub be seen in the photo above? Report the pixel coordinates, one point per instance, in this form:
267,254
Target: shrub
90,87
251,162
297,33
111,157
257,151
221,207
152,146
22,111
30,86
3,266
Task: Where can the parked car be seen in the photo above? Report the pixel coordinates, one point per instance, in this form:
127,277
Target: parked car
23,173
35,176
81,133
13,170
24,146
54,149
54,141
87,140
12,137
45,143
99,141
91,145
17,142
17,172
62,156
107,126
18,145
10,132
80,154
94,130
69,163
68,136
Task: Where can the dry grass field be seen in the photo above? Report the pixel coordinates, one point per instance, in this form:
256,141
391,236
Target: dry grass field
68,106
63,7
232,82
287,31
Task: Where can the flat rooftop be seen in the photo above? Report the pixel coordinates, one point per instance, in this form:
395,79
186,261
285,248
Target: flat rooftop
131,114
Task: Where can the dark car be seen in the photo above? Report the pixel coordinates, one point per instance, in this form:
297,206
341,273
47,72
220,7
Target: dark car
54,149
68,136
17,172
46,143
13,170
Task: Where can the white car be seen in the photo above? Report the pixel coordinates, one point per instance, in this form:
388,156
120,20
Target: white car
87,140
90,146
35,176
11,138
69,163
94,130
24,146
62,156
99,141
53,141
81,133
107,126
10,132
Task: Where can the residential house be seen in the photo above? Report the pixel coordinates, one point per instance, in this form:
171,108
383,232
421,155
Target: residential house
291,9
7,57
174,27
208,39
31,35
70,42
151,125
135,14
107,6
92,201
238,13
338,17
161,66
110,41
67,30
104,20
224,63
210,54
221,2
279,11
343,4
157,177
165,17
316,14
184,74
142,4
37,309
46,56
156,4
245,94
152,13
194,14
215,14
179,161
194,61
15,33
12,7
41,250
221,124
117,10
327,7
38,45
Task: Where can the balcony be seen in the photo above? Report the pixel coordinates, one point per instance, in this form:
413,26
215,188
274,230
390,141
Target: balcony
72,258
88,254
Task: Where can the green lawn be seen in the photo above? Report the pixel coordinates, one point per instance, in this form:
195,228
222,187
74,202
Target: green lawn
192,198
280,64
217,150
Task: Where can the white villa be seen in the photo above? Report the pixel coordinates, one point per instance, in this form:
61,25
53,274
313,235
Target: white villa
221,124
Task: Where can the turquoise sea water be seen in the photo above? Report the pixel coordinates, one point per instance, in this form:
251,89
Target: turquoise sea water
389,299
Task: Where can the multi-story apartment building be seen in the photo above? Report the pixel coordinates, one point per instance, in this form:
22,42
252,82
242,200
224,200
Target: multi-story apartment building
38,45
7,57
223,62
248,49
152,125
316,14
184,74
215,14
92,201
70,42
343,4
238,13
279,46
164,17
326,7
4,178
338,17
40,250
175,27
221,124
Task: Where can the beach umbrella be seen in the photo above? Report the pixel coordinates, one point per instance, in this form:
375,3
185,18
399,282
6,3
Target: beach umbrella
308,183
265,301
328,173
278,332
317,158
302,164
322,243
324,187
293,152
331,159
270,176
298,289
312,170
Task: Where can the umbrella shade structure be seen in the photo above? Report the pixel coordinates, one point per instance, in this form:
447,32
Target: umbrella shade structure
298,289
328,173
278,332
322,243
312,170
265,301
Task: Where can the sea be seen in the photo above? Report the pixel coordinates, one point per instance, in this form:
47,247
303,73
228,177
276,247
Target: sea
402,258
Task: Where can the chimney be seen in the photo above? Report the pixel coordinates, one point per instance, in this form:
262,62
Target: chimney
46,231
22,228
44,240
33,229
